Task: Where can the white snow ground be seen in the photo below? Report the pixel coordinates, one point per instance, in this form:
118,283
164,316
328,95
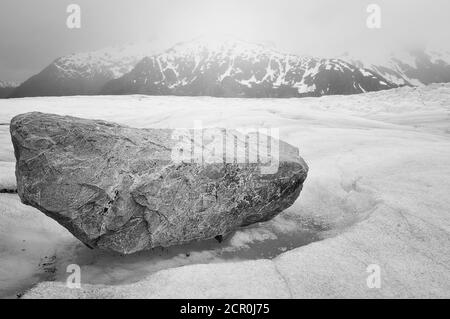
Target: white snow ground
377,193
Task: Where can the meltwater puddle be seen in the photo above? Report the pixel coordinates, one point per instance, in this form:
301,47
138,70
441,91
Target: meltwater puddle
99,267
102,268
35,249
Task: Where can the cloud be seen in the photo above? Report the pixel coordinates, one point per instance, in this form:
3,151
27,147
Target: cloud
317,27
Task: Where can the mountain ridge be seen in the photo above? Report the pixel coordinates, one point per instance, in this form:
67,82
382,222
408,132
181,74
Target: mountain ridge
227,67
83,73
231,68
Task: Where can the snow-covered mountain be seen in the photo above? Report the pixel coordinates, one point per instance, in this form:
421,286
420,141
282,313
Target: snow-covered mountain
8,84
7,87
227,67
408,67
84,73
232,68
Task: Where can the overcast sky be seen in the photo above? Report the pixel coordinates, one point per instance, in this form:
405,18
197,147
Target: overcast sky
34,32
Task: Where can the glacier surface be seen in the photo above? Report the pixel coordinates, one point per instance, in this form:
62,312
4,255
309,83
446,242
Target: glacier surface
377,193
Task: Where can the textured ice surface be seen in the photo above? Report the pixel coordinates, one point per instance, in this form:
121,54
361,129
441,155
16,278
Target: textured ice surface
377,193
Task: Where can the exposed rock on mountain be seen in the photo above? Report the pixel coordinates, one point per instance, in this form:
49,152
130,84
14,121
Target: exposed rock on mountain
226,67
118,188
230,68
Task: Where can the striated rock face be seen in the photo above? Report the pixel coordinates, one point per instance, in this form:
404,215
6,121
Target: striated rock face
122,189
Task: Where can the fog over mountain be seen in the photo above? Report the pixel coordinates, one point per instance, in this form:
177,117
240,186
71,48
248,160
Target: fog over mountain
83,73
321,28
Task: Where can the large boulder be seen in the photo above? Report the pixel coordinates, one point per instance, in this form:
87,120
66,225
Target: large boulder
125,189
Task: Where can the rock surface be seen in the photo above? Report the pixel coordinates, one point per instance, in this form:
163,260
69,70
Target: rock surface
118,188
